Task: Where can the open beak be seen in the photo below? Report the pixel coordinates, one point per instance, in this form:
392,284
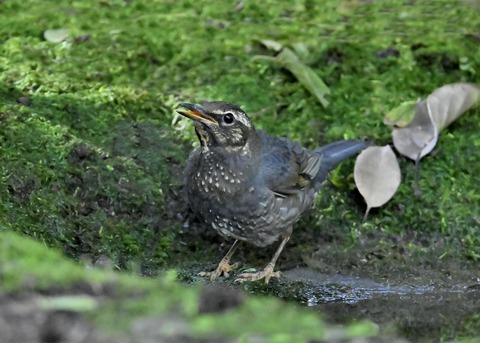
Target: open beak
196,113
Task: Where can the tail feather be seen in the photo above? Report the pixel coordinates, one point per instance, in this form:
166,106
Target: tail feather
336,152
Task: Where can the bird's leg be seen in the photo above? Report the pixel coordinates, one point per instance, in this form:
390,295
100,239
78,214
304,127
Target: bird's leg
224,266
268,272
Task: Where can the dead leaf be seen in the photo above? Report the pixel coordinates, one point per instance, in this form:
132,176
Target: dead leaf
449,102
441,108
417,138
377,175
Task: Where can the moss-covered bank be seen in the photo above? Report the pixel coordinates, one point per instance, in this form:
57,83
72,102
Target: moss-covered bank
91,155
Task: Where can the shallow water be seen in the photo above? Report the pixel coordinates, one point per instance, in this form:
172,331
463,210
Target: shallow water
420,306
358,288
419,312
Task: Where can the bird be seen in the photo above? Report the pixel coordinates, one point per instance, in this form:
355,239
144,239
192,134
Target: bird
251,186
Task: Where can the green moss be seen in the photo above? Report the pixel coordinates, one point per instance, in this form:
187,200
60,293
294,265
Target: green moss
73,194
295,328
25,263
470,329
91,161
109,89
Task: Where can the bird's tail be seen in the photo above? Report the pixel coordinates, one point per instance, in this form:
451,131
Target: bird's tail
336,152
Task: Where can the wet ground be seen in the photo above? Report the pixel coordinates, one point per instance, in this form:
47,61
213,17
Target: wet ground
416,311
420,306
420,301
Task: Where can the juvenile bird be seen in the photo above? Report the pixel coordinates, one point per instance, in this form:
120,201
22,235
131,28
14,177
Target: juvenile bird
250,186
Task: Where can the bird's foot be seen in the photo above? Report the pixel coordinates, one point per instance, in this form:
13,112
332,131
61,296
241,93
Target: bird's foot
223,268
266,274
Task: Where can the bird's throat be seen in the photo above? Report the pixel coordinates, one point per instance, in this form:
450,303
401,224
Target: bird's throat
202,135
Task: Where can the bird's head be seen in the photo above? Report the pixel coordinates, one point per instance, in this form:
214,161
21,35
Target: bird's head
220,124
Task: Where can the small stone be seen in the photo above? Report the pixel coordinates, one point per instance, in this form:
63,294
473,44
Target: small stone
24,100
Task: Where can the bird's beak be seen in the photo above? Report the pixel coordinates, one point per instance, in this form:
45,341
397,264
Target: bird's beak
196,113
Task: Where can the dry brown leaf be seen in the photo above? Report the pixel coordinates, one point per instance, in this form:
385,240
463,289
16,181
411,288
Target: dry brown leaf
449,102
441,108
377,175
419,137
416,138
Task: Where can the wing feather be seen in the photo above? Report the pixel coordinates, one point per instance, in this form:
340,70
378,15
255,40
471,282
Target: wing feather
287,168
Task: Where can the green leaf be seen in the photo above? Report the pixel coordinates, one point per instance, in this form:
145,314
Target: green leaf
305,75
402,115
271,44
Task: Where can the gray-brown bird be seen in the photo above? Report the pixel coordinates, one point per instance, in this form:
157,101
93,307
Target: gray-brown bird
250,186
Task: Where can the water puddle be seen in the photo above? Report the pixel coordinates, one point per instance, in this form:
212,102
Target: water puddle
350,289
416,306
421,312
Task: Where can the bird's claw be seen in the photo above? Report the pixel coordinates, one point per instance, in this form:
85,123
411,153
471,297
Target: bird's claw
223,268
266,274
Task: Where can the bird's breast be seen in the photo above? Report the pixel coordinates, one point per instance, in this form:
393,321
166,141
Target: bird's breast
233,202
216,182
235,211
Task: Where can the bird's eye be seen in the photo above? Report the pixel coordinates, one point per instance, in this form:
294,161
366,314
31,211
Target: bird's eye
228,118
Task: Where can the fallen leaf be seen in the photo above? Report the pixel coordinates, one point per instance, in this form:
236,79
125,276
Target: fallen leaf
441,108
301,51
271,44
377,175
417,138
305,75
55,36
449,102
402,115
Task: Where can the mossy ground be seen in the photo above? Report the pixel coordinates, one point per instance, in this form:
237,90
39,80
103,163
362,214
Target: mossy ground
91,150
45,305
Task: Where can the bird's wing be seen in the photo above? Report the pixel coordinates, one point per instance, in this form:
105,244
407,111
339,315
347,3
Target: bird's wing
287,168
